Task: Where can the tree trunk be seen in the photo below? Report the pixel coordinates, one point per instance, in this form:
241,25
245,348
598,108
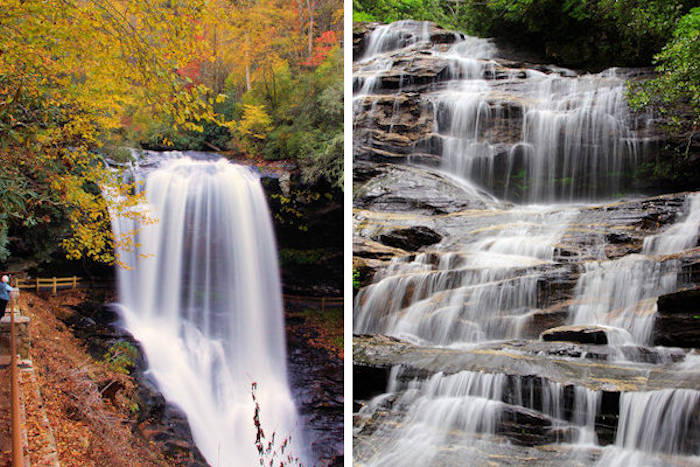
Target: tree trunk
310,7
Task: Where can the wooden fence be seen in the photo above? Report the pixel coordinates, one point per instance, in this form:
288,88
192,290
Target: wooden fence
323,301
56,283
53,283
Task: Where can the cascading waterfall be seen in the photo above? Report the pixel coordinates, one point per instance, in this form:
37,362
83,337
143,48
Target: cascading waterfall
622,293
480,294
530,135
202,295
465,402
652,422
432,411
397,35
557,136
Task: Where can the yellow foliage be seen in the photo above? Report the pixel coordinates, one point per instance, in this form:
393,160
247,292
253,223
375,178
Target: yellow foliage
255,123
81,66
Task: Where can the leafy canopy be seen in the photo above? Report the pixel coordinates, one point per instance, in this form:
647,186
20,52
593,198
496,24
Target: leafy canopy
82,77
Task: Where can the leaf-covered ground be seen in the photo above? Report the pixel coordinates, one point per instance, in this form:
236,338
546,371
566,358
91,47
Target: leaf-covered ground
42,448
90,428
323,330
5,436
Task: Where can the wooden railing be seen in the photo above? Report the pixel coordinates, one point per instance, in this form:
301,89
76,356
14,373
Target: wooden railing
56,283
17,453
323,301
53,283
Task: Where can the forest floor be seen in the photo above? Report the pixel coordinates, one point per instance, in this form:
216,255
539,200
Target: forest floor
321,329
91,426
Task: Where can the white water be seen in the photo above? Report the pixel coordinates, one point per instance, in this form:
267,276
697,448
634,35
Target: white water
622,293
445,409
574,140
664,421
483,292
206,305
559,137
466,402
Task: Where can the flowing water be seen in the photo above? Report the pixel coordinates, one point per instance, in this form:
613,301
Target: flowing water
560,144
202,295
557,136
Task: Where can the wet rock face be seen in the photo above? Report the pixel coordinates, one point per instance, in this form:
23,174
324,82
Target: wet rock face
389,127
307,220
567,364
527,427
678,320
578,334
316,380
159,421
542,320
392,188
360,32
410,239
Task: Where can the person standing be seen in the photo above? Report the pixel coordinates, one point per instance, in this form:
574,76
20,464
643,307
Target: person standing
5,291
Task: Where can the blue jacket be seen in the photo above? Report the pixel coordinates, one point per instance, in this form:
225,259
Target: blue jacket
5,290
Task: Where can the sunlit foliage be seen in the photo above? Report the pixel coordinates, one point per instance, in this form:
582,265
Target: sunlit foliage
79,78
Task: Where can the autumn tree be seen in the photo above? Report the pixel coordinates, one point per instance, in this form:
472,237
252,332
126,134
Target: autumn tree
80,79
70,71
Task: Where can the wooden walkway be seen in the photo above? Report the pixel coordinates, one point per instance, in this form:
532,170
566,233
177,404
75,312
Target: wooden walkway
29,420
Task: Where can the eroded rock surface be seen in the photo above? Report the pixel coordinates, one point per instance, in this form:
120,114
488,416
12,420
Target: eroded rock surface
578,334
677,322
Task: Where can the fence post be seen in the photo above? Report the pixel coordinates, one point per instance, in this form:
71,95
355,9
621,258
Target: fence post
54,285
37,285
75,282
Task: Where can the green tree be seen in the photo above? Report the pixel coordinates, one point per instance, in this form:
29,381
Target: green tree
675,92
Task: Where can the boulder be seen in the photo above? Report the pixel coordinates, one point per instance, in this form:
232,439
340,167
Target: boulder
580,334
411,238
420,191
540,320
677,321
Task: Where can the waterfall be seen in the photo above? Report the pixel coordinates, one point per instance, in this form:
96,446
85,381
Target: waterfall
555,136
561,145
435,409
430,413
396,35
202,295
482,293
622,293
663,421
574,139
